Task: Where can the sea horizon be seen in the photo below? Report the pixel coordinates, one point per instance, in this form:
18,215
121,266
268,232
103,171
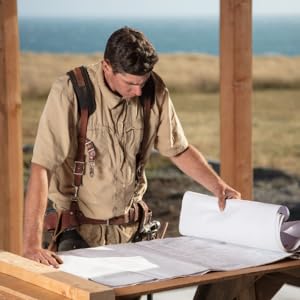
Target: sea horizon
272,35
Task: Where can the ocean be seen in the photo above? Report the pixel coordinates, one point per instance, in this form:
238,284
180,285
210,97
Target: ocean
271,35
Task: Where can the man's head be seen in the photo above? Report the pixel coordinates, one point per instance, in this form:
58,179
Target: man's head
128,51
128,60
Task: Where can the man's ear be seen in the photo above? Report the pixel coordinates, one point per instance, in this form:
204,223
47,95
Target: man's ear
106,66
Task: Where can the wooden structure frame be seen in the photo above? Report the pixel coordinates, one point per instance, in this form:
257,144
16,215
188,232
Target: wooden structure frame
24,279
235,94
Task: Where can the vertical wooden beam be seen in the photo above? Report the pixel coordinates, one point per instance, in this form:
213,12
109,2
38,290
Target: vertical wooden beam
11,161
235,94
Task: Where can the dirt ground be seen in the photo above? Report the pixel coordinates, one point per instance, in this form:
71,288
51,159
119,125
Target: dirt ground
166,189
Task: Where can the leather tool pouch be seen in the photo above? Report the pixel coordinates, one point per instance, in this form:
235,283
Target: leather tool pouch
69,240
148,229
60,233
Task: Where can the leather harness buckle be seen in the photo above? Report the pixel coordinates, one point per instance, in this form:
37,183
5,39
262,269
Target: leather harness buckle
79,168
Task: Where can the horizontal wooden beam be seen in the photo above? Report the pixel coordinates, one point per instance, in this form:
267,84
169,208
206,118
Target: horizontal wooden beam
12,288
53,280
73,287
176,283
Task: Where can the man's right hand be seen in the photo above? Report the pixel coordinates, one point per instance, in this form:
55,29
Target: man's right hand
43,256
35,207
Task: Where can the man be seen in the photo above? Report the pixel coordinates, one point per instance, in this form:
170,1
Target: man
116,130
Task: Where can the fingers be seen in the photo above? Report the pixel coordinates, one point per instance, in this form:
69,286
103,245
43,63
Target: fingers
45,257
227,194
222,201
52,259
233,195
57,258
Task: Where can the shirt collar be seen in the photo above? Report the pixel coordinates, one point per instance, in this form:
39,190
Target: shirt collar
110,99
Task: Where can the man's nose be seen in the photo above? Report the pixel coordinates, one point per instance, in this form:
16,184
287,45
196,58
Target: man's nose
138,90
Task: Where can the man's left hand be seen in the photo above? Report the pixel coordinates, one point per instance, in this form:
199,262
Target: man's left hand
226,192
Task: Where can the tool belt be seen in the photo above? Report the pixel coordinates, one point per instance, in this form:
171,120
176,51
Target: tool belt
58,222
73,217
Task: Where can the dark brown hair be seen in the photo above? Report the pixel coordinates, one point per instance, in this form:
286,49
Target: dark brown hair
128,51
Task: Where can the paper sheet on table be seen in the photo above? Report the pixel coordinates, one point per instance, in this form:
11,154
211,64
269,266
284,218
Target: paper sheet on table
127,264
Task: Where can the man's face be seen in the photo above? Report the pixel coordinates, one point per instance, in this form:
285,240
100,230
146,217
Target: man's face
124,84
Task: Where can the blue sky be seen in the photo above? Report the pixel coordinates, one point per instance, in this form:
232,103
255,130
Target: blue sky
134,8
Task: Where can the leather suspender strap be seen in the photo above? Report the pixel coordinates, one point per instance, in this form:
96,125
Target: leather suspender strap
86,105
147,100
83,88
79,165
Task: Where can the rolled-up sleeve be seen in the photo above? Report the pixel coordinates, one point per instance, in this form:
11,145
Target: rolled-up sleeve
170,139
56,126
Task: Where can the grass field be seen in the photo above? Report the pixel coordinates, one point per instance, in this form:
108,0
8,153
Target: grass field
276,101
276,125
182,72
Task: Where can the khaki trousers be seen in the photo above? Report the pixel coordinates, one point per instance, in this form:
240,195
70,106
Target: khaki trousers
100,235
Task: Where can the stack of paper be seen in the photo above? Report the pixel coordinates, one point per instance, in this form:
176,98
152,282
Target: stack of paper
243,222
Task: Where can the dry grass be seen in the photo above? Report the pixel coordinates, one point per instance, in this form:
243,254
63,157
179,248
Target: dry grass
276,129
182,72
38,71
276,124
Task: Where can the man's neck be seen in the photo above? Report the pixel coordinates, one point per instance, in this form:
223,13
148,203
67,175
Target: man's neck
109,84
107,81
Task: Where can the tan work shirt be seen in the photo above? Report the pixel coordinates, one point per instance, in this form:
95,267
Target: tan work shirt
116,129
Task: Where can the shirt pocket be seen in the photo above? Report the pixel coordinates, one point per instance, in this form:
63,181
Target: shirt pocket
133,137
102,139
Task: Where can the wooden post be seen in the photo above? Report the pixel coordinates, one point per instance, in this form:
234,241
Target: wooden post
11,162
235,94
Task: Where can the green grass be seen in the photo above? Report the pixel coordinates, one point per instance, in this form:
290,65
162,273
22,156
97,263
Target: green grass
276,125
276,129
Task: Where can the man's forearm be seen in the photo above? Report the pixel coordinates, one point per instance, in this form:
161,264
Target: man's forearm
35,206
193,164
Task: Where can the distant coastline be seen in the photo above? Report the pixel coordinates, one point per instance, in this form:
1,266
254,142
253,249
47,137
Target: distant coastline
272,35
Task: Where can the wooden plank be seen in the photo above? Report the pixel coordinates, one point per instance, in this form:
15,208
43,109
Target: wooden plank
53,280
235,94
73,287
13,288
7,295
248,293
11,161
163,285
227,289
268,286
